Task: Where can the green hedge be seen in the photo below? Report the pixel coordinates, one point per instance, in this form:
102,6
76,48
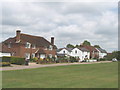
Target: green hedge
5,61
17,60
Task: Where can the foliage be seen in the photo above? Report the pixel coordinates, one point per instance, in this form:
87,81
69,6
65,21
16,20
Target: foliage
96,46
34,59
70,46
86,43
17,60
5,61
114,54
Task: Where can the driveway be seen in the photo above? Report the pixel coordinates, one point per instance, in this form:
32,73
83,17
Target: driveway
34,65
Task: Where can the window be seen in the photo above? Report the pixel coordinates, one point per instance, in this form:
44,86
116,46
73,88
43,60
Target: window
50,55
45,48
33,46
27,55
76,51
33,55
27,45
50,47
9,45
63,51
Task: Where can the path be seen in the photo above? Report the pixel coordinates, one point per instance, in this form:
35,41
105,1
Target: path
34,65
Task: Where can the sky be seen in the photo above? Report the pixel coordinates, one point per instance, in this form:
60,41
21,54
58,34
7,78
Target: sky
68,22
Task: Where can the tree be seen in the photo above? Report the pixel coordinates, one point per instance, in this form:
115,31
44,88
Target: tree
96,46
86,43
70,46
77,46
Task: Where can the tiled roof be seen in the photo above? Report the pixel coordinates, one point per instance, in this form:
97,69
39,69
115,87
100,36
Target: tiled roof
38,41
69,49
90,48
102,50
83,49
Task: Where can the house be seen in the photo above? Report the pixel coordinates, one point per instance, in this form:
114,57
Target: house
4,52
64,52
29,46
93,51
80,52
102,52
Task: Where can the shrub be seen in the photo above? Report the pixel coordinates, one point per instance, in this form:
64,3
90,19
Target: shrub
33,59
5,61
102,59
5,64
17,60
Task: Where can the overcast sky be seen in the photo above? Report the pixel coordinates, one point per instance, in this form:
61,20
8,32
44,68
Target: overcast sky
68,22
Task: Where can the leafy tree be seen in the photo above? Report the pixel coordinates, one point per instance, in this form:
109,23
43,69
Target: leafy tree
77,46
70,46
96,46
86,43
115,54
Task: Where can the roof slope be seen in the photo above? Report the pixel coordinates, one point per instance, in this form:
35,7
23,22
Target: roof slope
38,41
90,48
102,50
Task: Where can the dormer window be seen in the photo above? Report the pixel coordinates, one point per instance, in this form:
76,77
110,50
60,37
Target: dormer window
33,46
9,45
27,45
50,47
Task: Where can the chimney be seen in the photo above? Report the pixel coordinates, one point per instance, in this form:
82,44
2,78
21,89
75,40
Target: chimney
52,40
18,35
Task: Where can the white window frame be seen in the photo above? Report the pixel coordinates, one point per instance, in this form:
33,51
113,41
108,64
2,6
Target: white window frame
76,51
9,45
50,47
27,55
50,55
33,55
27,45
33,46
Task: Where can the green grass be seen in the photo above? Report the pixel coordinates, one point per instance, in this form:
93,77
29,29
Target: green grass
103,75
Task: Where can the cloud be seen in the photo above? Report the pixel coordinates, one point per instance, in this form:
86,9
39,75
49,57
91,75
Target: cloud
67,22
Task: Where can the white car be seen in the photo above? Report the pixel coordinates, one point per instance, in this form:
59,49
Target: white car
114,60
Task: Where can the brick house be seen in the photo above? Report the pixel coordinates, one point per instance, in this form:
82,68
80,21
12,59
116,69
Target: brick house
29,46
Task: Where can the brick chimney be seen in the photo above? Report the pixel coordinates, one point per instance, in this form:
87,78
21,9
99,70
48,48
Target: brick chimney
18,36
52,40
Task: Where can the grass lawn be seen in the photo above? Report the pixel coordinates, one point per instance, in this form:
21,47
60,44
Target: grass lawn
101,75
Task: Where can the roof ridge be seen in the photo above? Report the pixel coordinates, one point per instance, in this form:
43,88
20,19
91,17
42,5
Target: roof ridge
31,35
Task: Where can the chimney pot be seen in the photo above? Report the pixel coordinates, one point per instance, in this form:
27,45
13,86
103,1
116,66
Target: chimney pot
18,35
52,40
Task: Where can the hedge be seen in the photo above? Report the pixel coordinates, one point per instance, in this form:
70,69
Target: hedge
5,61
17,60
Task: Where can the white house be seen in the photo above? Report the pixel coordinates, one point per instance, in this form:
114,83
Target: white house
82,53
102,52
64,52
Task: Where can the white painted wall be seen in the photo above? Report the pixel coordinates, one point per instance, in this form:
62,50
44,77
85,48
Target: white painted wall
64,50
4,54
79,53
101,55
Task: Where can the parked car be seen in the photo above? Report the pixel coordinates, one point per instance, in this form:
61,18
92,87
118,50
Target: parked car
114,60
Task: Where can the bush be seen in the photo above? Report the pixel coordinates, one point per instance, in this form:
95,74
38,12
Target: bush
33,59
17,60
102,59
5,61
